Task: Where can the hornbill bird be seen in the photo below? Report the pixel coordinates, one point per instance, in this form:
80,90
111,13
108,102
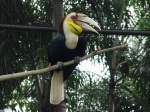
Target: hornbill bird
66,46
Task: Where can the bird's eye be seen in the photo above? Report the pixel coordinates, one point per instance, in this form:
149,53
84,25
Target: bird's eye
74,17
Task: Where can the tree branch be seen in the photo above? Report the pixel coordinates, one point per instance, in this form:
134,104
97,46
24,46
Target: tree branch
44,70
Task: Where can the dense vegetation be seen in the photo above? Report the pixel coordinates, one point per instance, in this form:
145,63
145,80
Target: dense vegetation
26,50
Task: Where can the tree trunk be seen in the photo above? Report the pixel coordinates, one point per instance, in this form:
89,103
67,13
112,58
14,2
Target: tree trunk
112,83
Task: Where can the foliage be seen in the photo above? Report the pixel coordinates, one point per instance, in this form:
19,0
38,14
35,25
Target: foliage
86,94
20,51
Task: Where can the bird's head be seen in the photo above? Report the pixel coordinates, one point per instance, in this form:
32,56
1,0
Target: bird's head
74,24
78,22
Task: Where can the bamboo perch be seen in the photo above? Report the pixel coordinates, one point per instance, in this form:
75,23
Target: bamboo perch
44,70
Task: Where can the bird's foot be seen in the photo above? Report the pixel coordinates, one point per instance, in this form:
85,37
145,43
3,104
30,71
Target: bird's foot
77,60
60,64
98,49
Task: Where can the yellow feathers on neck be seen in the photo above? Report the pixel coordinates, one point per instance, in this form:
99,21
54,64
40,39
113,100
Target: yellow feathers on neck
74,27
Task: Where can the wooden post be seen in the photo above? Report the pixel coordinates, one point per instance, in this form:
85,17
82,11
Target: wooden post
112,83
58,13
60,107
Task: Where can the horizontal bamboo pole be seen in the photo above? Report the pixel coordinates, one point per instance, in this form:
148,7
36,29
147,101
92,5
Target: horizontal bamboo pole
44,70
49,29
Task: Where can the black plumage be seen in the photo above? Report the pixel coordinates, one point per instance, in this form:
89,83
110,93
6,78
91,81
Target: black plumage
58,52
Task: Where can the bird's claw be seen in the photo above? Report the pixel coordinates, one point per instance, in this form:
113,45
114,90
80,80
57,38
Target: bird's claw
60,65
77,59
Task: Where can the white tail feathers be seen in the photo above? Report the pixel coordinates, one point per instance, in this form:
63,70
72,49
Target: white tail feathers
57,88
